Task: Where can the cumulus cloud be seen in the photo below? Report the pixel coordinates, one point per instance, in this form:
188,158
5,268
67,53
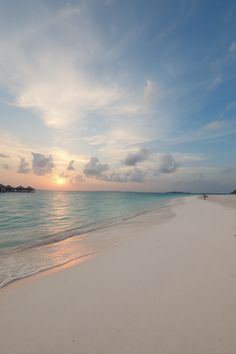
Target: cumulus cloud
133,158
4,156
41,164
114,177
6,166
94,168
135,175
23,166
71,166
168,164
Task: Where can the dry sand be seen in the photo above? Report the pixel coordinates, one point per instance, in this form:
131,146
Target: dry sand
167,287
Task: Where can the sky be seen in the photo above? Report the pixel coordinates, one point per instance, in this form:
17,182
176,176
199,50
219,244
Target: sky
118,95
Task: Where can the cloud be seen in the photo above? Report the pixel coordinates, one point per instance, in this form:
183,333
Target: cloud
23,166
63,175
215,125
118,136
216,82
230,106
4,156
227,170
77,179
150,92
232,48
49,82
136,175
59,84
168,164
183,158
70,166
41,164
211,131
95,169
69,11
114,177
65,87
61,96
133,158
6,166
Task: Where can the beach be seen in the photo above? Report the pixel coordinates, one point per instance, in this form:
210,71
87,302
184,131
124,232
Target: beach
166,284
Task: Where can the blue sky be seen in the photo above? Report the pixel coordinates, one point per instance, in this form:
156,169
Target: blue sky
118,95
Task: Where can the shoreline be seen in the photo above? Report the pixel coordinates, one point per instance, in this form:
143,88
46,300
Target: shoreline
163,287
86,230
106,227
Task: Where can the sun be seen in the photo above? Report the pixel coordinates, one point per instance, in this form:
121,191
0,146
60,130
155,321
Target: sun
60,180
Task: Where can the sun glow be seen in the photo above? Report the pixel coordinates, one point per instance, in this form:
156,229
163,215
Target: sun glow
60,180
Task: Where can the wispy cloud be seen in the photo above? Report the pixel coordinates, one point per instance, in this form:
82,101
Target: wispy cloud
232,48
180,19
216,82
227,170
150,93
61,95
230,106
6,166
23,166
4,156
211,131
217,124
69,11
59,85
77,179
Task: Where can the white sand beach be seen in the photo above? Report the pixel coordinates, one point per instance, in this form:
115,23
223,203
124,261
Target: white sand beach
167,286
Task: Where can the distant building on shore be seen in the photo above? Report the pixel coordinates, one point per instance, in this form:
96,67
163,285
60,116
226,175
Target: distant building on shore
19,189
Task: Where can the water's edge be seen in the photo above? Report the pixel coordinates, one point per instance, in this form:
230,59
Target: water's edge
34,258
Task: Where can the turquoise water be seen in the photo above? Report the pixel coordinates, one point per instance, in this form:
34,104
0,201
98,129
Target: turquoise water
42,230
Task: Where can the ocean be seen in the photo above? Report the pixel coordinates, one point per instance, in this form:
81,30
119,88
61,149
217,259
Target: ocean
46,229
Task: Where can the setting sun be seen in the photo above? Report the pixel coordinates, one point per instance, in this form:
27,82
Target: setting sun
60,180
